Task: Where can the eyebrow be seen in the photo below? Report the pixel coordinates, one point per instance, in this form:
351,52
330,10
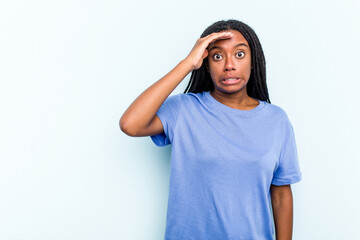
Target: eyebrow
237,45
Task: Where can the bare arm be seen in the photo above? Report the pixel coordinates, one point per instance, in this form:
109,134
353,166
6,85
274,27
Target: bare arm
282,205
140,118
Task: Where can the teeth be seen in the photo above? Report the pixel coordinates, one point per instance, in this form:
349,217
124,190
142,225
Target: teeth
229,79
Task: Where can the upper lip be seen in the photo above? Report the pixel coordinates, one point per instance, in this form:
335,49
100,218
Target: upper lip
227,77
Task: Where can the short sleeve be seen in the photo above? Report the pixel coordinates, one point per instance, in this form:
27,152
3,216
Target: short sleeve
288,169
168,113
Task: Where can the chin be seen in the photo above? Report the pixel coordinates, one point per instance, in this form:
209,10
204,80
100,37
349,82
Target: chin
231,89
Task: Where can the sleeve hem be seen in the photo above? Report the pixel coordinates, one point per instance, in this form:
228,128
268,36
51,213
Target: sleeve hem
280,182
160,140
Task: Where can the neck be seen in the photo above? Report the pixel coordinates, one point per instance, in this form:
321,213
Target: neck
239,100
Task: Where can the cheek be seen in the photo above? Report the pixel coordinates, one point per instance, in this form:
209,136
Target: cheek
213,70
246,67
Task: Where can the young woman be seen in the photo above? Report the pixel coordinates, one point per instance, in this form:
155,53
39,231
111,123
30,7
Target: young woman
234,154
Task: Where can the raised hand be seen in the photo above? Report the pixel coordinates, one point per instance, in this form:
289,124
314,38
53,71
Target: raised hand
199,52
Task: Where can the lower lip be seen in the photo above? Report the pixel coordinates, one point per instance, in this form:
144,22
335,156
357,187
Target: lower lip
230,82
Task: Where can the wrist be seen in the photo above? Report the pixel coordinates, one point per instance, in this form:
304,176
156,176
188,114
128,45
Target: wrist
187,64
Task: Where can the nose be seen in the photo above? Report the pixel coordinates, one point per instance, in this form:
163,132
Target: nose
229,64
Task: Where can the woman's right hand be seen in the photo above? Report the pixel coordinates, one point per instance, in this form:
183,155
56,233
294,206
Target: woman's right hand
199,52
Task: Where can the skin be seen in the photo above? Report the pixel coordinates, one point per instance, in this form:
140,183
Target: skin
140,117
282,205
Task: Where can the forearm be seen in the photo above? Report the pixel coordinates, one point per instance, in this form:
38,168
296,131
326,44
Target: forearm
141,112
282,206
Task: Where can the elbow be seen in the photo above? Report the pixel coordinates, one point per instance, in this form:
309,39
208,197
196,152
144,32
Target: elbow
126,128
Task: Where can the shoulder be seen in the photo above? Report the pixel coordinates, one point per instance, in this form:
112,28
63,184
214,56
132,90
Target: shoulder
175,99
178,100
275,109
186,97
278,113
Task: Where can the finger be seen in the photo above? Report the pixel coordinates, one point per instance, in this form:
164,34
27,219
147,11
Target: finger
226,35
218,36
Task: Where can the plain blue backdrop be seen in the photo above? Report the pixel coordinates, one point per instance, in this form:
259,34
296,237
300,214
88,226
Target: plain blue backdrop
69,69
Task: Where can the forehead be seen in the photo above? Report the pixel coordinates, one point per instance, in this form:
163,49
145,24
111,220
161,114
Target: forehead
230,42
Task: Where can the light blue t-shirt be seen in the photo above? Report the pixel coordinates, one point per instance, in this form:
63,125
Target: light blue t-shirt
223,162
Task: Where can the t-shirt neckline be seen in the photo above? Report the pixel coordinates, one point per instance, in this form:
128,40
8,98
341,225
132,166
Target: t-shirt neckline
233,110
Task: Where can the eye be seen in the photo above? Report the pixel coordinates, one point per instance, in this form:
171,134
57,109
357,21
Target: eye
217,57
240,54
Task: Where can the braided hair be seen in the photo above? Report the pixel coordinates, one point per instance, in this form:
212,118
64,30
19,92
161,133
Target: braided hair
200,79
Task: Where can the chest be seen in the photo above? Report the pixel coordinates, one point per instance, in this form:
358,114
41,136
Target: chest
228,144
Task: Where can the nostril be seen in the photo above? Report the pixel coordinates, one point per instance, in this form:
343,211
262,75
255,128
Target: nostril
229,68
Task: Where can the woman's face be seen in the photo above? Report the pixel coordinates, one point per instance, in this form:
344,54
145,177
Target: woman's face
230,63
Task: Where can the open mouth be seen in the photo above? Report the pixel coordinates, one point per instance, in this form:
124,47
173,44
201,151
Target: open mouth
230,80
